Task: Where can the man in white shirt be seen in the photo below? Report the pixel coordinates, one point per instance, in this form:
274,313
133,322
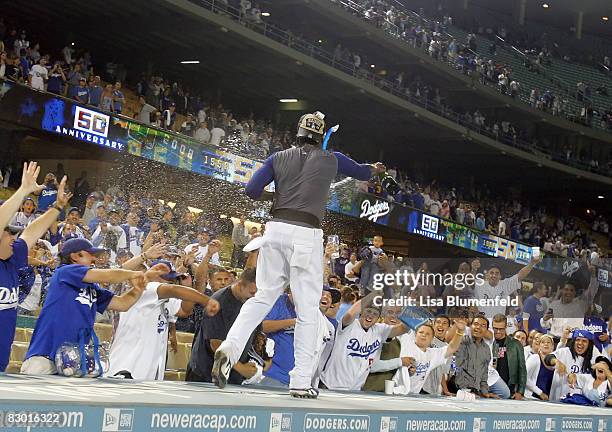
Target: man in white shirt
356,346
216,136
90,208
569,310
134,235
501,228
348,269
202,134
140,342
39,75
144,115
495,287
26,215
112,226
202,245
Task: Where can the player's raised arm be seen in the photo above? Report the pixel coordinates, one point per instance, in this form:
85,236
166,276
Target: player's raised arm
262,178
349,167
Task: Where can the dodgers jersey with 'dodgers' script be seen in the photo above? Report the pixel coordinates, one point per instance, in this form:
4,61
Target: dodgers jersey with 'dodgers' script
353,354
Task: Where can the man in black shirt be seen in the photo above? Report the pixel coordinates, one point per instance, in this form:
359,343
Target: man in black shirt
510,359
213,331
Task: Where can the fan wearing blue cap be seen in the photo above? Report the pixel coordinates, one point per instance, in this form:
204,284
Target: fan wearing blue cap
140,343
14,250
577,357
74,297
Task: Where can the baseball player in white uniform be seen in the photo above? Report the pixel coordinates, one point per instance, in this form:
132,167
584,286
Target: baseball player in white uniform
292,248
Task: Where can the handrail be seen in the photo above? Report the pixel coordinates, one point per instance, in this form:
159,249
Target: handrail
286,38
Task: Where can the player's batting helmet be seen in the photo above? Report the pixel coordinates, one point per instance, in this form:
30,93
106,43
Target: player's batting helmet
312,126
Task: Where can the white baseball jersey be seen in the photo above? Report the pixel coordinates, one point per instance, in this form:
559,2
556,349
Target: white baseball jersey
425,361
353,354
503,289
325,337
559,385
140,343
584,385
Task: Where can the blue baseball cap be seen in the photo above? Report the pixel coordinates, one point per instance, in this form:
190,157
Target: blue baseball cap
168,276
75,245
583,334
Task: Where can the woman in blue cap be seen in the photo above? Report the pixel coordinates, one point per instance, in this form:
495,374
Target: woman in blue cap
577,357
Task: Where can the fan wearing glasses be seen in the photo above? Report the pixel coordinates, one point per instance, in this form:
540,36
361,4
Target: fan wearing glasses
15,243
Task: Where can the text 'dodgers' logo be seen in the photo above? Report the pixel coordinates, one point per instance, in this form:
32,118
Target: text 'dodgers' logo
374,211
118,420
91,121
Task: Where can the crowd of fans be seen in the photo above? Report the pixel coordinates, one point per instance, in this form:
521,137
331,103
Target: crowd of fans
479,208
535,38
160,99
119,256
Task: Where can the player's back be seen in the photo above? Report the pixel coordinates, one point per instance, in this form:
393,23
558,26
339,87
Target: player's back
302,176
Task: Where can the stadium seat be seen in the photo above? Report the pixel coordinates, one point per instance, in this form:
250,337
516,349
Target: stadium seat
184,337
171,375
104,331
20,335
29,332
18,351
178,360
14,367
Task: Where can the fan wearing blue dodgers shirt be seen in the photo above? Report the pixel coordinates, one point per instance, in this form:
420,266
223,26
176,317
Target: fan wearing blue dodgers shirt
292,248
279,326
14,251
47,194
74,297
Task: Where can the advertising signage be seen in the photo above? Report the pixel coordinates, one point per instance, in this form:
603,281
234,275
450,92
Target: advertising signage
44,111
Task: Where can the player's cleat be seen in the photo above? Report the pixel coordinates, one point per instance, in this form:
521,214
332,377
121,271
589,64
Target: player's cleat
309,393
221,369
